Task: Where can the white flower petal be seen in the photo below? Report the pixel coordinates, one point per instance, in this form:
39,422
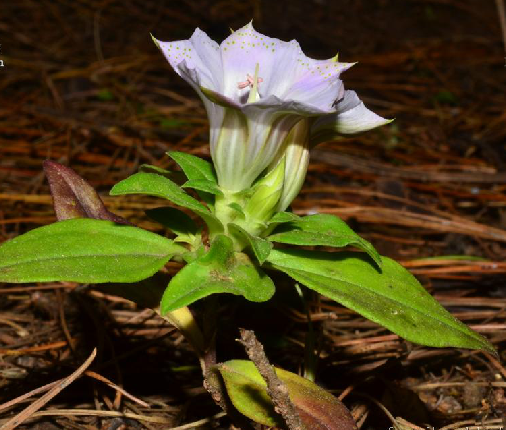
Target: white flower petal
242,51
208,52
246,145
315,91
229,140
312,82
348,102
268,129
351,117
200,53
284,71
285,106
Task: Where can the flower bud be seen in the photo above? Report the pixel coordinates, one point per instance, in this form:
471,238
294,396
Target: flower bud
264,201
295,150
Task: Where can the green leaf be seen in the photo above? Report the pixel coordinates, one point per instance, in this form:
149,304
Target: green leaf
260,247
237,207
221,270
159,186
203,185
85,250
177,222
317,408
200,173
195,168
325,230
283,217
392,298
178,177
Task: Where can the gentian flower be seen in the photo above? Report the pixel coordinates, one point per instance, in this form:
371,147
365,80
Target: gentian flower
266,101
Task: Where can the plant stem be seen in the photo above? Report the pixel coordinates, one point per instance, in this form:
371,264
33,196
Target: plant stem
310,358
205,348
184,321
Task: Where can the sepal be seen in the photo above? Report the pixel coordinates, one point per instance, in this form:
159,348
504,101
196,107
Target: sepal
261,247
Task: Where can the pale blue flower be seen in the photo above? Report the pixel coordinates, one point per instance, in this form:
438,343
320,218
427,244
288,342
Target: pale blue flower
256,89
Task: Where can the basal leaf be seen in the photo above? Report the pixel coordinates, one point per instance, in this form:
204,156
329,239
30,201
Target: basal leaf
392,297
317,408
221,270
85,250
159,186
322,229
260,247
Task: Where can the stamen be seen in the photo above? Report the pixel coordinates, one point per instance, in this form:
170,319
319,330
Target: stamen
248,82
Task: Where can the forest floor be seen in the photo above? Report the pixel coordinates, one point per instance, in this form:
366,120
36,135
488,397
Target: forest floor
83,84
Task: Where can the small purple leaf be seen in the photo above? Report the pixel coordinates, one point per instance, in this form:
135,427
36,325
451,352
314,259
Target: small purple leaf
73,197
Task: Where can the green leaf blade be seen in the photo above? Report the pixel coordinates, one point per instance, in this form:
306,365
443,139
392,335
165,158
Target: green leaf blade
261,247
195,168
85,250
204,186
322,230
221,270
156,185
200,173
283,217
392,298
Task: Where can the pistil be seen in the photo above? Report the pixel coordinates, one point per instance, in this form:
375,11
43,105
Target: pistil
253,93
253,83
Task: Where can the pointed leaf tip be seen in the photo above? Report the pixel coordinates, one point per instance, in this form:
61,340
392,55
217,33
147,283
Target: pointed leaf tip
73,196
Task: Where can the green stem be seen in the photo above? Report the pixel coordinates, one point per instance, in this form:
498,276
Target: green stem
228,214
310,358
184,321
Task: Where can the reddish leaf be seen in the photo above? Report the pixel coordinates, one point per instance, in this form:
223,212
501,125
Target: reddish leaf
73,197
317,408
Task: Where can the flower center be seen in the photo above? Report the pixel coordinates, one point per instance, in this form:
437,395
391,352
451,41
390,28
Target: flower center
252,81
